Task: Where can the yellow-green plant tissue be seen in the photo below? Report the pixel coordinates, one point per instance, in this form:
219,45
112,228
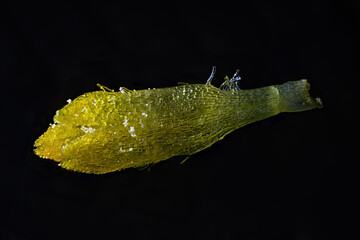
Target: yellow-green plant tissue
105,131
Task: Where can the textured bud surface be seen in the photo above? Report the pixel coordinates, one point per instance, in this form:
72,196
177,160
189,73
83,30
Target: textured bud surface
106,131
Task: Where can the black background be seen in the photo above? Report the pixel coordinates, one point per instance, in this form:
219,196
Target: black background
287,177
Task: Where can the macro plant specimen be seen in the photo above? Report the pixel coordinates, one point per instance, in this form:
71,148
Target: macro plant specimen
106,131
